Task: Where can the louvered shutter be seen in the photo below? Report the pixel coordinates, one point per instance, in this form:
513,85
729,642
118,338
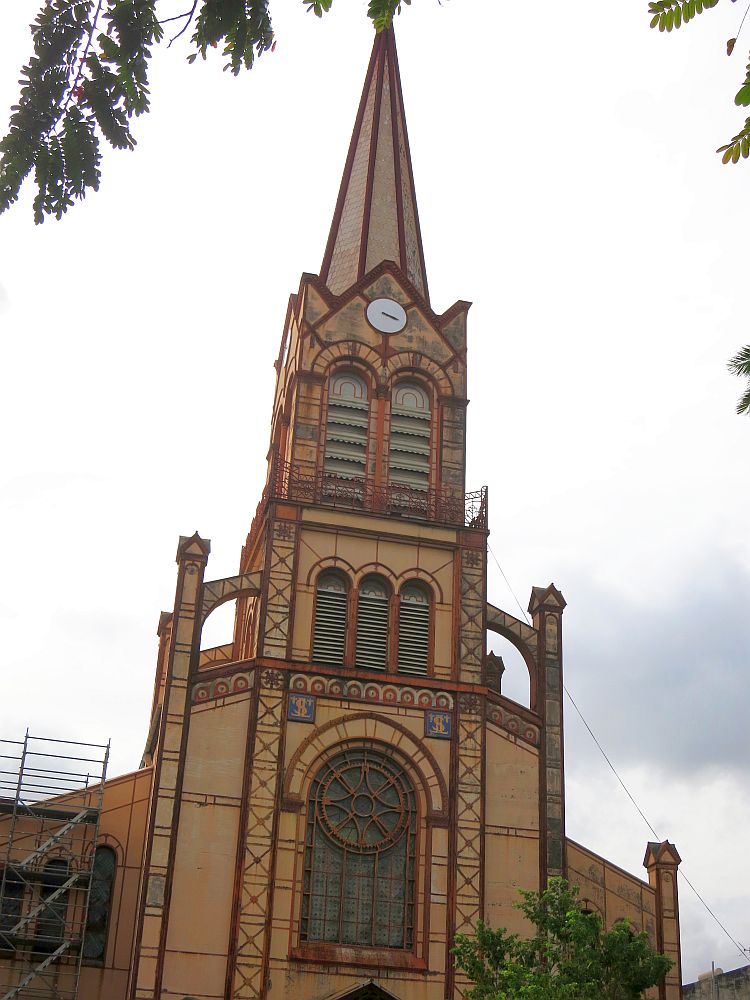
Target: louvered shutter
413,630
346,427
372,626
409,454
329,639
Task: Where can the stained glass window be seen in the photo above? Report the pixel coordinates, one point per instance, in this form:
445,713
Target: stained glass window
360,853
100,902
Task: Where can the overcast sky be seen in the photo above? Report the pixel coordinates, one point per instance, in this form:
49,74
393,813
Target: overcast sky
567,185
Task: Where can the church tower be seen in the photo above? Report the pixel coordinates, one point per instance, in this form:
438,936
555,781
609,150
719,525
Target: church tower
343,788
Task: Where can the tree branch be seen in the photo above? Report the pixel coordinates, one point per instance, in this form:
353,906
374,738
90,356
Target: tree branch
189,15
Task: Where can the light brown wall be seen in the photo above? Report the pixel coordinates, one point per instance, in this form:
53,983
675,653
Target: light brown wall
401,730
611,892
430,559
201,906
511,827
123,827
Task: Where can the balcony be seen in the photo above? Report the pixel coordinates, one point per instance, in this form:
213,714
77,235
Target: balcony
443,505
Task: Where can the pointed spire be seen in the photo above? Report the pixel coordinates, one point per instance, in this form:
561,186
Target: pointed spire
376,213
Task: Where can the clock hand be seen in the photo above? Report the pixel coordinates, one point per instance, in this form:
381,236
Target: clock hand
395,318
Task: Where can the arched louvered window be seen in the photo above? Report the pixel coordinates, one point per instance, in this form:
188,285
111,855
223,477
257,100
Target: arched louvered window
100,903
372,624
329,634
360,853
50,924
409,455
346,426
413,629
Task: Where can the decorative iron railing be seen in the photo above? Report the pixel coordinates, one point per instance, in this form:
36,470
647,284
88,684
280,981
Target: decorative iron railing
442,505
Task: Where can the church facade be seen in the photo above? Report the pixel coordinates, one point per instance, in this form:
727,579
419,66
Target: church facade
328,799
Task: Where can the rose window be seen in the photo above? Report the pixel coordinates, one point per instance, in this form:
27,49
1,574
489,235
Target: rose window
360,852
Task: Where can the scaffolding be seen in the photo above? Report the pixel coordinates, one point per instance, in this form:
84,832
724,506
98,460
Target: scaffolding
50,803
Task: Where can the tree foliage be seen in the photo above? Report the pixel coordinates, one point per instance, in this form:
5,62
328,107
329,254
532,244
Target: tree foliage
668,15
740,365
88,77
569,957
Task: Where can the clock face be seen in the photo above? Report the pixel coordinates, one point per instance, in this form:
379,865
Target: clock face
386,315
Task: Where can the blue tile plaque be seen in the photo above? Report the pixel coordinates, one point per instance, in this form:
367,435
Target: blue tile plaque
301,708
438,725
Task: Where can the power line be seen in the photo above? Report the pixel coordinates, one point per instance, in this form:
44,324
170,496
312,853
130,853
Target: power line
743,951
507,583
735,942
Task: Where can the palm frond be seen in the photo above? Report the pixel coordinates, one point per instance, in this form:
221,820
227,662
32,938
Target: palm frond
740,365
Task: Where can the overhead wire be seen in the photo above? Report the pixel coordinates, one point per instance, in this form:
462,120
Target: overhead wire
745,952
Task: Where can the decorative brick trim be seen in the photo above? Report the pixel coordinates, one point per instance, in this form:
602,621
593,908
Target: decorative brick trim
514,724
222,687
389,694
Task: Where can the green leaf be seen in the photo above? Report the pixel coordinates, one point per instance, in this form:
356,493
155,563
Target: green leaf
742,97
727,155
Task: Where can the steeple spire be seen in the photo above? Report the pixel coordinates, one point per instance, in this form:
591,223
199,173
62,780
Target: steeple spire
376,213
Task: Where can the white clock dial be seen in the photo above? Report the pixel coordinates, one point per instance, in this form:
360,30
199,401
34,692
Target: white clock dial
386,315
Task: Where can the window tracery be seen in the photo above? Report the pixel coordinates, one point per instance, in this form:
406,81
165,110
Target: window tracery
360,852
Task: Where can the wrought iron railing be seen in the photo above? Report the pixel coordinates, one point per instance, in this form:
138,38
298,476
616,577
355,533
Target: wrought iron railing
443,505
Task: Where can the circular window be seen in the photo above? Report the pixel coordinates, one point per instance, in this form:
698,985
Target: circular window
364,802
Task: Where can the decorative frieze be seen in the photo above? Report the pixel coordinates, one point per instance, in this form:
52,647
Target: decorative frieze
388,694
512,723
222,687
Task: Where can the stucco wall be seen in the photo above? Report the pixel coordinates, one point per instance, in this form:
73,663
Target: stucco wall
734,985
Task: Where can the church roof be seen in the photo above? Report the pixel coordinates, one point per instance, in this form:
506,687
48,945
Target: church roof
376,213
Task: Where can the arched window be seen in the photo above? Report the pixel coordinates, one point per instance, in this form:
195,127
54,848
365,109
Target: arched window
100,903
413,629
346,426
360,853
50,924
372,624
409,455
11,902
329,635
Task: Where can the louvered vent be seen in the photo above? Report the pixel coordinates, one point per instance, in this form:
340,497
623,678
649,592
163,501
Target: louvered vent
346,427
413,630
409,455
329,639
372,625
